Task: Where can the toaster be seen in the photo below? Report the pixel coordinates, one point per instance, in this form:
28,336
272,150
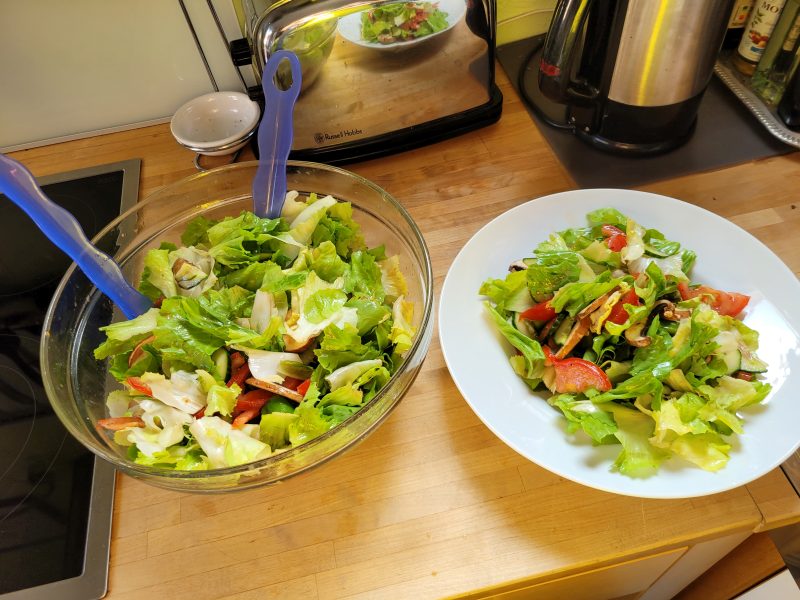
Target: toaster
375,82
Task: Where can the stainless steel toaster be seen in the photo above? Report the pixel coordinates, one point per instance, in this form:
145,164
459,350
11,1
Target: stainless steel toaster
363,96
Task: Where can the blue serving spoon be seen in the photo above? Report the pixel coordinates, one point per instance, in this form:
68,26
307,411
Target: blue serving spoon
61,227
275,136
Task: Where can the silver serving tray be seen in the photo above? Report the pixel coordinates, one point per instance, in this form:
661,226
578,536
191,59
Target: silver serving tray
738,84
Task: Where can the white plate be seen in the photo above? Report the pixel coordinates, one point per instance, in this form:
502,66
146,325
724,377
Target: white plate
350,27
727,258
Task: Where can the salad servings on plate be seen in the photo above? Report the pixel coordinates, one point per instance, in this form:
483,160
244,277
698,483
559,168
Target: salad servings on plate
606,318
265,334
402,22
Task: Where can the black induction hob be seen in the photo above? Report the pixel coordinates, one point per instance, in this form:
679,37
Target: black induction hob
56,497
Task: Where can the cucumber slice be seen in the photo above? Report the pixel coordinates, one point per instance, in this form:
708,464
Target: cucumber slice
751,363
221,360
561,334
728,350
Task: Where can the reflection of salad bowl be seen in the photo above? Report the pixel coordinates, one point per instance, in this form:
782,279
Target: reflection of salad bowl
79,386
432,19
312,44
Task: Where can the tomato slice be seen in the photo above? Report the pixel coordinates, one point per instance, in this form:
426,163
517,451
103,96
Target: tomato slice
618,314
575,375
138,385
539,312
615,237
725,303
291,383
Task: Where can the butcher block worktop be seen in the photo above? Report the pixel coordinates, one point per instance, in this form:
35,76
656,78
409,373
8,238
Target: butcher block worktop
433,504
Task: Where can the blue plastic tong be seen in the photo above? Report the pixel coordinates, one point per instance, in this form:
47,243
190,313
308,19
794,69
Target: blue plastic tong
61,227
275,136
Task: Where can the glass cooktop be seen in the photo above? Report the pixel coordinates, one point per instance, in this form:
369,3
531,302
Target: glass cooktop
56,498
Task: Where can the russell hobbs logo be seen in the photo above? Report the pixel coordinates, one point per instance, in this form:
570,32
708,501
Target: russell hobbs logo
321,137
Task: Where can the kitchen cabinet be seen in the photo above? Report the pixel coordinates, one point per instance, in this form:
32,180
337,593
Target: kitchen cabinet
433,504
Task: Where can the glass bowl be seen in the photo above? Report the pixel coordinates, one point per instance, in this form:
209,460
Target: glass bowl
77,385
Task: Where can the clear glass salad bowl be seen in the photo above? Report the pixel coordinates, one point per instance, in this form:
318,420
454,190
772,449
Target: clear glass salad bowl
77,385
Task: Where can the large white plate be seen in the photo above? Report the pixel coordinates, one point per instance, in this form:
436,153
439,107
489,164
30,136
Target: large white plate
727,258
350,27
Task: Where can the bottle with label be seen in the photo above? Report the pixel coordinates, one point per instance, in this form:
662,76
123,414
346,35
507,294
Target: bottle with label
736,23
762,20
779,59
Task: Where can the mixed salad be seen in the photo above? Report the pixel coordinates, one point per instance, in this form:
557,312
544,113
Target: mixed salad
265,333
402,22
605,317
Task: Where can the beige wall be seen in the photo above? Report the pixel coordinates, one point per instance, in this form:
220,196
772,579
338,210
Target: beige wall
517,19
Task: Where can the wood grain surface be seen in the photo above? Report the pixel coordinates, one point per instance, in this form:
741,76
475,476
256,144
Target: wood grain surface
432,504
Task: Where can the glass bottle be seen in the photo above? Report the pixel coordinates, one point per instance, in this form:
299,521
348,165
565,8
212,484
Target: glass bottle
736,23
762,20
789,107
778,61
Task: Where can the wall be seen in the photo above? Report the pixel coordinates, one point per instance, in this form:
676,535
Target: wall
71,69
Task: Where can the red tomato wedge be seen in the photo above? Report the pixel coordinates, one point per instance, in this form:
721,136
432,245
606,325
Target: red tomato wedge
618,314
539,312
725,303
138,385
576,375
615,237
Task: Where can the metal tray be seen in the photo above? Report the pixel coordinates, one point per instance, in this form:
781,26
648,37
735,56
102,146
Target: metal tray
766,114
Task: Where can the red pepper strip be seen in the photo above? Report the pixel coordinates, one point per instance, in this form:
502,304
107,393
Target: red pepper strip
138,351
239,375
139,386
237,360
252,400
120,423
200,413
302,389
243,418
291,383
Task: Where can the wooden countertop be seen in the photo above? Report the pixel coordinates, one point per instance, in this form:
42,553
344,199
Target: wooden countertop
432,504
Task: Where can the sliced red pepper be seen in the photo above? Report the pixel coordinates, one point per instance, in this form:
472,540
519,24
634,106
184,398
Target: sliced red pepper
618,314
291,383
245,417
138,351
302,389
576,375
238,374
237,360
252,400
539,312
725,303
138,385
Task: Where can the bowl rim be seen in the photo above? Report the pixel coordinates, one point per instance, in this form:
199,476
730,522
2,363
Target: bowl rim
247,129
422,338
